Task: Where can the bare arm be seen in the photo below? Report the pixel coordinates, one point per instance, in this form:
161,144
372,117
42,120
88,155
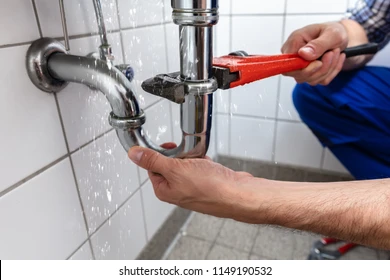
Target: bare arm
357,211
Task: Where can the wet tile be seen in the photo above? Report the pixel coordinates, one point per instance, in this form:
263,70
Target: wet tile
287,173
237,235
383,255
361,253
303,243
189,248
257,257
274,243
204,226
161,241
219,252
260,170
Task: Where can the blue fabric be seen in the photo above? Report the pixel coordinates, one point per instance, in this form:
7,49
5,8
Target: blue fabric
351,116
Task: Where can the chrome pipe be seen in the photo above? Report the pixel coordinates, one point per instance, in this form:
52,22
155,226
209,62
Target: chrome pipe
105,48
126,117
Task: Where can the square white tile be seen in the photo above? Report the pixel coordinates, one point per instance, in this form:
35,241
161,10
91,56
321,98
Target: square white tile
173,47
156,211
106,178
85,111
257,99
167,11
17,22
42,219
123,236
258,7
267,41
80,17
135,13
223,134
84,253
145,51
318,6
296,144
252,138
225,7
222,100
286,108
223,36
331,163
32,134
294,22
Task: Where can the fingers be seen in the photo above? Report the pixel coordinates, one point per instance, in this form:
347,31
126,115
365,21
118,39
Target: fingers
320,72
150,160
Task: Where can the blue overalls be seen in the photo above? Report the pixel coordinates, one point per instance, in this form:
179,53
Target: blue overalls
351,116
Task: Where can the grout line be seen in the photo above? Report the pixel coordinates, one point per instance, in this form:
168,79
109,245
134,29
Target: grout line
279,89
286,14
78,248
120,32
177,237
91,141
16,45
37,17
116,210
258,118
230,91
254,242
215,239
28,178
73,171
144,216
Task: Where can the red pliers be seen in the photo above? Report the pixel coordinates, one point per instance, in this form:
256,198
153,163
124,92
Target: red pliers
319,251
239,68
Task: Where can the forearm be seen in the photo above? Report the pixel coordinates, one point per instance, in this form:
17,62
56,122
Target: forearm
357,211
356,36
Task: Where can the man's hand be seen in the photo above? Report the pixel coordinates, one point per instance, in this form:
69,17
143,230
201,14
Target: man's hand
312,42
197,184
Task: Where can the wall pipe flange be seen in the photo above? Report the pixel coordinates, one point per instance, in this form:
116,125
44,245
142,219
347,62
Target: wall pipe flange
37,64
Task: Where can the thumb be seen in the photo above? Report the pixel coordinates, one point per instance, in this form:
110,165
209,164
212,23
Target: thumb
149,159
316,48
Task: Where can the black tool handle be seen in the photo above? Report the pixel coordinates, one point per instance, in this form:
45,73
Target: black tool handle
370,48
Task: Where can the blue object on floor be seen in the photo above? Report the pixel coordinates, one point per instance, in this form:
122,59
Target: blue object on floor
351,116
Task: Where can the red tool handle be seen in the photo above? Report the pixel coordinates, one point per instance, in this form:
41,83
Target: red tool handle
254,68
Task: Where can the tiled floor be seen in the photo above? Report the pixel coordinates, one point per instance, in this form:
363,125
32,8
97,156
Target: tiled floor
206,237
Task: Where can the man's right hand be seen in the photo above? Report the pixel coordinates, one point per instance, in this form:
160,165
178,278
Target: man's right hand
312,42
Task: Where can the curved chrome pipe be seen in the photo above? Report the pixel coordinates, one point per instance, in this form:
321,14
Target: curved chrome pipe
126,117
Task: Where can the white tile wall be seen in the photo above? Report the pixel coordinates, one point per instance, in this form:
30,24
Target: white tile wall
258,7
42,219
316,7
31,131
84,253
331,163
44,213
80,14
21,12
105,176
123,235
135,13
296,144
145,51
252,138
156,211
